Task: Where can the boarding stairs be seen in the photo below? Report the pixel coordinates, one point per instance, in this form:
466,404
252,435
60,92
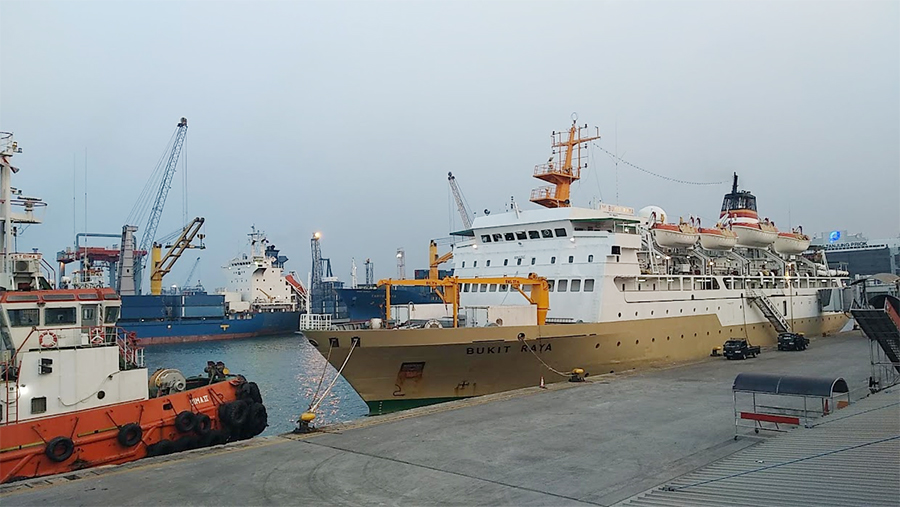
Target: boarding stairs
883,326
769,310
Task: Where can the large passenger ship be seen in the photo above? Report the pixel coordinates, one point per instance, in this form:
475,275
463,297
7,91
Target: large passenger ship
626,290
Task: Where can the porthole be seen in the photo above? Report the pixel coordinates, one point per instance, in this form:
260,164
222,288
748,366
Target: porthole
667,312
682,336
637,341
681,310
101,395
667,338
635,314
618,344
597,346
620,314
653,339
651,312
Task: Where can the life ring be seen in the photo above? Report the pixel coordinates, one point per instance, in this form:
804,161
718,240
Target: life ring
97,336
47,339
60,449
130,435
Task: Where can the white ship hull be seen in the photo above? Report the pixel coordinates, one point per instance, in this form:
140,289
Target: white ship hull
717,241
790,244
753,237
674,239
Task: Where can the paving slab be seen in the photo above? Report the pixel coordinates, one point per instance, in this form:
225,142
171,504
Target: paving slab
595,443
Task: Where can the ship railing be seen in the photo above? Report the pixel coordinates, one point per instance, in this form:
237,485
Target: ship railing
556,168
546,192
315,321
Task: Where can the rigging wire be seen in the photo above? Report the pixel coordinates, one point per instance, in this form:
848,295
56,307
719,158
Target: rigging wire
667,178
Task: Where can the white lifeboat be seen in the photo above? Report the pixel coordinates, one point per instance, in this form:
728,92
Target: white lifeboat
791,243
758,235
674,236
717,238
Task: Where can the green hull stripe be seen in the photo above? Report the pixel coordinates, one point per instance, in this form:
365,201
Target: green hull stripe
387,406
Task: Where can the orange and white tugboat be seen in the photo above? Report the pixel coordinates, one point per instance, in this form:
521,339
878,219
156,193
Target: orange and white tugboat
74,391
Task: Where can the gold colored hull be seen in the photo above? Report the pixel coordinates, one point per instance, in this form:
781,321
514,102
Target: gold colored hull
400,368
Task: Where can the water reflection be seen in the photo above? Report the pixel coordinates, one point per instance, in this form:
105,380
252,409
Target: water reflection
286,368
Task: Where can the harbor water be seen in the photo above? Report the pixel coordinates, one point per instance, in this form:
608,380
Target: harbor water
286,368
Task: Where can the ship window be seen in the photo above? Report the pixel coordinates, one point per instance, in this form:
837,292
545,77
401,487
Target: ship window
519,261
591,258
521,235
550,284
546,233
493,288
576,286
474,264
504,288
561,286
54,316
552,260
486,238
510,236
25,318
589,285
464,264
465,287
498,237
533,260
484,287
39,405
560,233
505,262
571,259
616,250
488,263
534,235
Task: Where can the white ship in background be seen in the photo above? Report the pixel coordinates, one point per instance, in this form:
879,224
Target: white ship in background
625,290
257,281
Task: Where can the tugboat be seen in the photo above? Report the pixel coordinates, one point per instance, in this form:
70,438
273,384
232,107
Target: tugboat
74,392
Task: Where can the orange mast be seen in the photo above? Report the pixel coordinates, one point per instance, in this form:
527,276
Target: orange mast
562,174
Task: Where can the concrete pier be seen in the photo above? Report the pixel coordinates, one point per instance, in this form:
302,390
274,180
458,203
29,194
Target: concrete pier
595,443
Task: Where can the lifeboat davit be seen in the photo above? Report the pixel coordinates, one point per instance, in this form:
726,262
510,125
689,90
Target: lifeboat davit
717,238
674,236
791,243
759,235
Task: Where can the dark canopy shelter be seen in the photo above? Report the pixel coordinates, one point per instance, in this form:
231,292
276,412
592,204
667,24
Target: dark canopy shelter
789,385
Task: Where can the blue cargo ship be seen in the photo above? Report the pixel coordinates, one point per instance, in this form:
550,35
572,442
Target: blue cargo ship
257,300
366,302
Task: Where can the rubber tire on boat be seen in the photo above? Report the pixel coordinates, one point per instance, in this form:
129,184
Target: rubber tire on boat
185,422
204,424
249,390
130,435
60,449
234,414
186,443
161,448
258,419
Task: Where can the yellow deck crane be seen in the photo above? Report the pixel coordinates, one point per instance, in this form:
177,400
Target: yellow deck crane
539,295
162,264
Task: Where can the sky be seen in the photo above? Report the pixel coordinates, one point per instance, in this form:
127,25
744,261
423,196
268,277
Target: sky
345,117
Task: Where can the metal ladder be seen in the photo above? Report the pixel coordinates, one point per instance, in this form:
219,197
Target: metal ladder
883,326
768,309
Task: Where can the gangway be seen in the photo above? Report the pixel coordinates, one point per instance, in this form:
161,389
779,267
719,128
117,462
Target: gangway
882,326
768,310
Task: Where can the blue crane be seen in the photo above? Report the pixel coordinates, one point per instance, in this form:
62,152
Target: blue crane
187,281
162,192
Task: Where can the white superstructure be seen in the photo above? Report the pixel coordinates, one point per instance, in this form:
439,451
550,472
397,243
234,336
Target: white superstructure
603,265
256,281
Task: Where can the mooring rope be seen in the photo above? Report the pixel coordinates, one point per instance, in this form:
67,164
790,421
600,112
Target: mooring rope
322,378
561,374
352,346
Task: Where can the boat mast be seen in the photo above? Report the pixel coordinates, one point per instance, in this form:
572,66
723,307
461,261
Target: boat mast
562,174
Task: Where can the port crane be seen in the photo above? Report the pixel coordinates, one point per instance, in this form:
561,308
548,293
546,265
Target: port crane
161,265
460,201
190,276
165,173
